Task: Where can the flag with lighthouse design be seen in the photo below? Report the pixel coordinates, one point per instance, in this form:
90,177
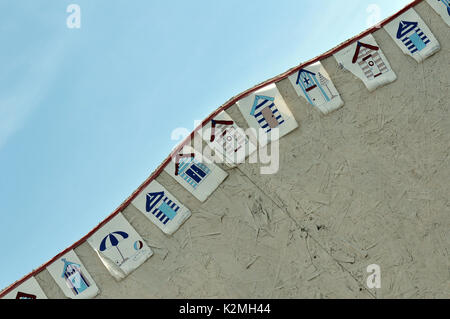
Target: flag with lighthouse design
161,207
120,247
315,85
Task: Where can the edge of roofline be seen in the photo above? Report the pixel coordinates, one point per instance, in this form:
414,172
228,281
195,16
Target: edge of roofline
224,107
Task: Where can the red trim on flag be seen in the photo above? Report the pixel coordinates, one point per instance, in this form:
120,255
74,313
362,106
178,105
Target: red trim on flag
177,160
213,127
358,48
310,88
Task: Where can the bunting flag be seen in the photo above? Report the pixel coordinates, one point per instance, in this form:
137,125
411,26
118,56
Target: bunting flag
120,247
161,207
442,7
412,35
266,110
191,170
29,289
72,277
228,140
315,85
366,60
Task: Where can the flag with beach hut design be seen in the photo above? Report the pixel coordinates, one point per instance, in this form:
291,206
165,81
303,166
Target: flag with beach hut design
365,59
72,277
120,247
29,289
229,142
413,36
265,111
161,207
314,84
442,7
196,173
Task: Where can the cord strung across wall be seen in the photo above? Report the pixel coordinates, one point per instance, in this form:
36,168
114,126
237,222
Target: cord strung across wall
413,36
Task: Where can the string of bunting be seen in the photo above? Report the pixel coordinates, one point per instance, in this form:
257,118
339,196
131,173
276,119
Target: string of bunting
120,247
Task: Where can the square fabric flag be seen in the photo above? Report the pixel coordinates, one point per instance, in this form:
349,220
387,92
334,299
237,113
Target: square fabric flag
72,277
29,289
442,7
120,247
315,85
161,207
197,175
366,61
413,36
265,110
229,142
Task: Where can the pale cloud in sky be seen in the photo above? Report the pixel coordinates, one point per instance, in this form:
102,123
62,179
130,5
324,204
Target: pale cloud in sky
18,102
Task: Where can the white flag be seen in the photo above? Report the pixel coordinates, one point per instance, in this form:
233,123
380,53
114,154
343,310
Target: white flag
195,173
161,207
366,60
72,277
266,110
413,36
315,85
442,7
120,247
229,142
29,289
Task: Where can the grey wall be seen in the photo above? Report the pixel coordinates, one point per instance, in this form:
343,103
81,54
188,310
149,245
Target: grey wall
366,184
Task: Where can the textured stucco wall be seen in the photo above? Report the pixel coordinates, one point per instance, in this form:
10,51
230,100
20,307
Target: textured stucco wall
366,184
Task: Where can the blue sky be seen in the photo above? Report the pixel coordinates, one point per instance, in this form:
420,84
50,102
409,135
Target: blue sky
86,114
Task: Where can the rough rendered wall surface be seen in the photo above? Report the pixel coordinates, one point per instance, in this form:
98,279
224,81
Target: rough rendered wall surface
367,184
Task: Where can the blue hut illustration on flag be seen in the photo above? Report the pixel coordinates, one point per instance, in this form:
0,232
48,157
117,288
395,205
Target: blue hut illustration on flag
266,113
447,4
412,36
74,277
160,206
192,171
314,89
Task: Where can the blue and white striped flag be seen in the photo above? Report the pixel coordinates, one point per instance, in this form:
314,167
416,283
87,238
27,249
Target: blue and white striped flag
412,35
161,207
266,110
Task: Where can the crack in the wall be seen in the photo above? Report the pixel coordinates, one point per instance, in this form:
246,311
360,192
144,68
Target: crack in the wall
304,229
